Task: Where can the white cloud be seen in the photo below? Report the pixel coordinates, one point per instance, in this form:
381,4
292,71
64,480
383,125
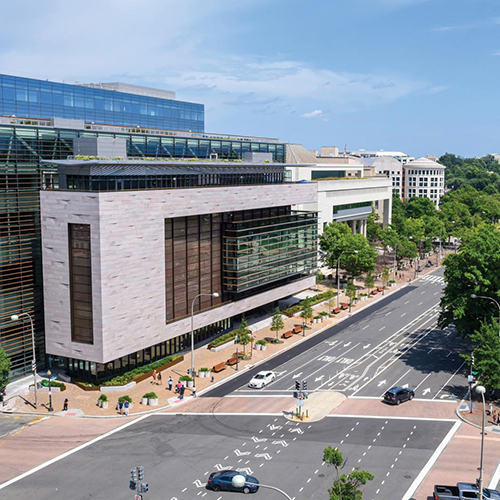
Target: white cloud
497,53
491,21
313,114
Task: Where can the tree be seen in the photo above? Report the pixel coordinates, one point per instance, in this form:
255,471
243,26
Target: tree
307,311
474,270
487,354
350,291
277,322
373,228
385,275
345,486
419,207
331,300
244,334
369,281
4,370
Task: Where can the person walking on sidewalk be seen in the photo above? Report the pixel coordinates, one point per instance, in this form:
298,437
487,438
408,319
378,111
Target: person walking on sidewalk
155,374
194,391
181,392
127,404
65,405
170,383
159,378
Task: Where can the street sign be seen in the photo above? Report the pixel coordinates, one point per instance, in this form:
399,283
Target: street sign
138,497
299,396
300,402
33,366
470,379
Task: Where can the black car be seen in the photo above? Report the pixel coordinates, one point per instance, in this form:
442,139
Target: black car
398,395
223,481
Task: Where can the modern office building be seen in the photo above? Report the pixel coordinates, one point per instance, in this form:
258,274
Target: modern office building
391,167
347,190
128,245
38,121
424,178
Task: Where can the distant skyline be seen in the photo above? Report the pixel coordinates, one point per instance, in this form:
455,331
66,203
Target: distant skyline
418,76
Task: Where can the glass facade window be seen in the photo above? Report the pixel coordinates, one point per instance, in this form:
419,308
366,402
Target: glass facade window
348,206
80,283
317,175
264,248
27,97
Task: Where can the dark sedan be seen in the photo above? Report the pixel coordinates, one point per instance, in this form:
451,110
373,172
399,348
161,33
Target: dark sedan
398,395
222,481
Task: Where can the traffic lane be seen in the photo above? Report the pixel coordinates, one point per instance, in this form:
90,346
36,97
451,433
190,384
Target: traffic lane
14,423
242,380
427,367
343,350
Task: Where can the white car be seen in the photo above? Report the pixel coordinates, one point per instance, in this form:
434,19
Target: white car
261,380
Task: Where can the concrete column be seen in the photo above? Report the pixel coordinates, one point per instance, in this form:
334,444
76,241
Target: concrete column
363,227
387,219
353,226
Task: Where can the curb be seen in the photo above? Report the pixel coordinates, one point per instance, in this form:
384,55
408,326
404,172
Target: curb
247,367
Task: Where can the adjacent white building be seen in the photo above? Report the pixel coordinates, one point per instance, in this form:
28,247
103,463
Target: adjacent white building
348,191
390,167
398,155
424,178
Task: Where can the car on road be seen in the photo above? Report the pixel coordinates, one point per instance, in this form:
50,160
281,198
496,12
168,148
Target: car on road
462,491
261,380
398,395
223,481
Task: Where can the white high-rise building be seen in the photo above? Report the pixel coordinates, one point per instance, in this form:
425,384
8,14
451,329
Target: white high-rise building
424,178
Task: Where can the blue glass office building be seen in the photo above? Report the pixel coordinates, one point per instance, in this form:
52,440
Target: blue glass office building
27,97
48,116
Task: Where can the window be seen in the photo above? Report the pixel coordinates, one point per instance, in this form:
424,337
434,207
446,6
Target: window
80,272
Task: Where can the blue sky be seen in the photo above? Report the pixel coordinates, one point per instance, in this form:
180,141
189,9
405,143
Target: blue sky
419,76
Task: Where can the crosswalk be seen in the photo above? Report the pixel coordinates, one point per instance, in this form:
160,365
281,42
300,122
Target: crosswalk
433,279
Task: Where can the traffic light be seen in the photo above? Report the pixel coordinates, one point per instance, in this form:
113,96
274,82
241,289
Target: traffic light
133,474
132,485
297,385
144,487
472,359
304,385
140,471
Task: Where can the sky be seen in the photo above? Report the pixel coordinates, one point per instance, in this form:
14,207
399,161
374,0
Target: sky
419,76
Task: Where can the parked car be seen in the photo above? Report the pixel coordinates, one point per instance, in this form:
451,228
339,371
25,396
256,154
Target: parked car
222,481
462,491
261,380
398,395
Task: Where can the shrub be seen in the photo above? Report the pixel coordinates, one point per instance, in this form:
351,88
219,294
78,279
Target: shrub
290,311
323,313
53,383
223,339
186,378
261,342
125,399
150,395
127,377
103,397
204,369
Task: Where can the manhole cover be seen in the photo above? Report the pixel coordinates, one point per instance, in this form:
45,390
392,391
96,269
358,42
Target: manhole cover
321,475
407,476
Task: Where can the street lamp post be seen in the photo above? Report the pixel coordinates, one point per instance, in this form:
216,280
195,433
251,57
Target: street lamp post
440,239
239,481
15,317
395,262
481,390
474,296
338,273
49,375
215,294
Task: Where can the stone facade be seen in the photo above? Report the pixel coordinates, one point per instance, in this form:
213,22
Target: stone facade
128,270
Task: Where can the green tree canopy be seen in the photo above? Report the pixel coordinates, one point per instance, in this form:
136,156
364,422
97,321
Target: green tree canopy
244,334
419,207
307,311
277,323
4,370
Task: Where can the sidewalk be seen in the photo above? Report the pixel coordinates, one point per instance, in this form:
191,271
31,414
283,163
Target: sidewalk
86,401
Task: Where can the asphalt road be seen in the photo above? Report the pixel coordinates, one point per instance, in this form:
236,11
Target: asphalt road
13,423
395,341
179,452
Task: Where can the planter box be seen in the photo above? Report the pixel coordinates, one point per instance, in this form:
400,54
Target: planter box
149,374
203,374
85,387
104,404
260,347
153,402
46,389
223,346
144,401
117,388
190,384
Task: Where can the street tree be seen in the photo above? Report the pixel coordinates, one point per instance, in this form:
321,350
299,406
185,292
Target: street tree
277,323
4,370
345,486
331,300
474,270
350,291
244,334
369,281
385,276
419,207
373,228
307,312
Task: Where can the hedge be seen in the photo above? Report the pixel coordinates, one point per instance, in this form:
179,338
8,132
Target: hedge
290,311
223,339
127,377
53,383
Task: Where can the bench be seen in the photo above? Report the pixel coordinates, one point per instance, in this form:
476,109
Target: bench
287,334
374,292
336,310
218,368
297,329
232,361
344,306
380,288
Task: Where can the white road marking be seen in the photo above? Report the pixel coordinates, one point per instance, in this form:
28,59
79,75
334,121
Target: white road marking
382,328
420,303
395,383
365,327
422,381
387,314
446,383
404,314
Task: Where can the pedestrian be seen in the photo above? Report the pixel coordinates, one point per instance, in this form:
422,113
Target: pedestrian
127,404
181,392
498,418
179,386
120,408
194,391
159,378
65,405
494,416
155,374
170,383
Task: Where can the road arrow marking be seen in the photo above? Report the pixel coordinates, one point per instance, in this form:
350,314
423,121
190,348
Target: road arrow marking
258,440
279,374
220,467
319,378
300,431
426,391
275,427
366,346
246,470
282,442
263,455
241,453
348,344
297,375
199,484
381,383
365,379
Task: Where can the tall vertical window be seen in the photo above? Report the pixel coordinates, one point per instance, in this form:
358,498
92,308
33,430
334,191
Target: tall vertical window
80,283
